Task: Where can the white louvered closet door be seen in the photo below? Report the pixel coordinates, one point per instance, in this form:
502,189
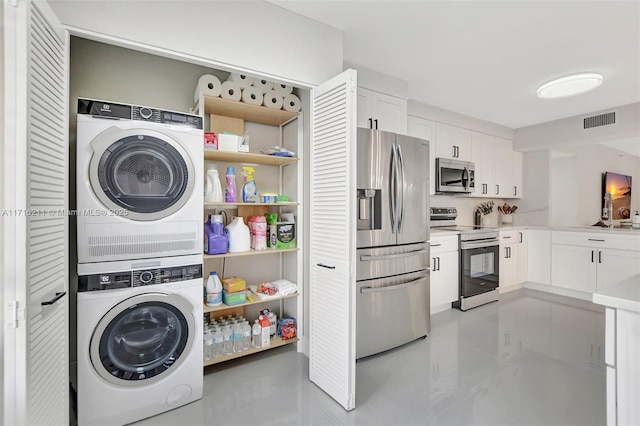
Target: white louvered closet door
35,232
332,361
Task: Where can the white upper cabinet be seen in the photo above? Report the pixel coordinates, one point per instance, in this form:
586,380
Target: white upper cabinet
425,129
498,169
453,142
382,112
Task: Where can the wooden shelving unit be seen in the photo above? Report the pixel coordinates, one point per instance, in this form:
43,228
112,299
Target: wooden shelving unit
275,343
248,158
231,205
223,307
251,252
247,112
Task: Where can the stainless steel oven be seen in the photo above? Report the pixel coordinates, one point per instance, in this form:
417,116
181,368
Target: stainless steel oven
479,267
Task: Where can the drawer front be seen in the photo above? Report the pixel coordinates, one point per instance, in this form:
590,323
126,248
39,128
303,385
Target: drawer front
597,240
388,261
509,237
443,243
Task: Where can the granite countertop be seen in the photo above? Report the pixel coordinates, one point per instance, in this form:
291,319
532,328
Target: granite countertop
623,295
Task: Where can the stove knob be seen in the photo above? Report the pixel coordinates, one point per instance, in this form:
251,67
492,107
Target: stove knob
146,277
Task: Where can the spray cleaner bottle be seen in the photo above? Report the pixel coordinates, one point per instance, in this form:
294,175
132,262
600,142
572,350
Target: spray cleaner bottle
249,190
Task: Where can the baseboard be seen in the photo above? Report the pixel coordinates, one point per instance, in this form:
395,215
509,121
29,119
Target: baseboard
559,291
503,290
440,308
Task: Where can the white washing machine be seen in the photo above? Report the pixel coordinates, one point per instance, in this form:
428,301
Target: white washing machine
139,338
139,182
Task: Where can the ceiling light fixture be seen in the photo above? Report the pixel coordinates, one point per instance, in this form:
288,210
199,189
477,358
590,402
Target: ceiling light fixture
569,86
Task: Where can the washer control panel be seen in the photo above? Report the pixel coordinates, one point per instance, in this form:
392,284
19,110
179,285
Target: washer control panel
138,278
106,109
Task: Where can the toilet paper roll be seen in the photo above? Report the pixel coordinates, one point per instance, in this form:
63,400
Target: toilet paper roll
262,84
291,103
252,95
283,89
209,85
272,99
241,80
231,91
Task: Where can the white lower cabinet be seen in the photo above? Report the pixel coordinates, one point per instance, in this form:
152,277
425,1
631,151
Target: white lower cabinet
584,262
444,277
538,256
513,259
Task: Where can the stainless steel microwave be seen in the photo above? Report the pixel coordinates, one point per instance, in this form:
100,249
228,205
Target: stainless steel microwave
454,176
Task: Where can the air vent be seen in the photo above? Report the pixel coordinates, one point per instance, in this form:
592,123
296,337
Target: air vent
599,120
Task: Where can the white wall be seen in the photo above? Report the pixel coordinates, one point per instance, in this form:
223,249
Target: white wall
255,36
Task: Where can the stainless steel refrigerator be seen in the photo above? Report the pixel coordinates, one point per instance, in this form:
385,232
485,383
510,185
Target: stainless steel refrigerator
392,270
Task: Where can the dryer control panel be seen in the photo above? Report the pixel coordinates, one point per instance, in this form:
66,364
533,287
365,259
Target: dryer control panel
106,109
138,278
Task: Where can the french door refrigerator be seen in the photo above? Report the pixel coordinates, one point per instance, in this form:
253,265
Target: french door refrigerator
392,266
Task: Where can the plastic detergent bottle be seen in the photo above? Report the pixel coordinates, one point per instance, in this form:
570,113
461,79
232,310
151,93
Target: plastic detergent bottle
215,238
230,190
213,188
249,190
214,290
239,236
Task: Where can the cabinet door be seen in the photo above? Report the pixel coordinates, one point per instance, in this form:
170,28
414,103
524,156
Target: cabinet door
365,110
332,234
616,265
453,142
482,158
390,113
508,266
501,170
522,255
539,256
425,129
516,174
444,278
573,267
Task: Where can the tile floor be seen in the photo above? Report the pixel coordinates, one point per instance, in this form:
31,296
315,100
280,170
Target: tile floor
530,359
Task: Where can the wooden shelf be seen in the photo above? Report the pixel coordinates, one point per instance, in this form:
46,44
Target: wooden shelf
247,112
275,343
251,252
231,205
247,157
207,309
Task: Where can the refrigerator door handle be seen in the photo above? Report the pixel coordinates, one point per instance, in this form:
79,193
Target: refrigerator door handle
390,287
392,190
367,258
401,190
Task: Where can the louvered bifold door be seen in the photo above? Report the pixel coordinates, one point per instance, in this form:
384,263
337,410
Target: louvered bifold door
332,238
41,272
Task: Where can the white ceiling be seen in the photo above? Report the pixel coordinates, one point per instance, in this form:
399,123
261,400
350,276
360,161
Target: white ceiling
486,59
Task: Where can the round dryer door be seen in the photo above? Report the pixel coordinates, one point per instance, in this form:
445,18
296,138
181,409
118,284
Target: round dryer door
144,172
142,339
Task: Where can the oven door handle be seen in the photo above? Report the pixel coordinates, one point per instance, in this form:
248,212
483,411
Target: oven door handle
390,287
479,244
368,258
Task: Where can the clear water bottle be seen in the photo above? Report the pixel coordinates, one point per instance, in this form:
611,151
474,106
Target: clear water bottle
218,343
256,333
246,335
208,344
237,336
227,337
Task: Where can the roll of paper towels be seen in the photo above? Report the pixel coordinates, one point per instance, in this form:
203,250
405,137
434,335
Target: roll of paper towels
263,85
291,103
231,91
252,95
241,80
272,99
208,85
283,89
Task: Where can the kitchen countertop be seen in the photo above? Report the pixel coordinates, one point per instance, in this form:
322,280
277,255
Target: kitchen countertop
442,232
623,295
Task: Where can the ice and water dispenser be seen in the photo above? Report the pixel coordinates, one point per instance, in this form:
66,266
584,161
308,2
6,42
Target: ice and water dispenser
369,209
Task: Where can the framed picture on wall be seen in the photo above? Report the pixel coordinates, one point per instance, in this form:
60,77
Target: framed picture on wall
619,186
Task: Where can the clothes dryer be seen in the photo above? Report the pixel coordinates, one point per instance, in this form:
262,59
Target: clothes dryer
139,338
139,182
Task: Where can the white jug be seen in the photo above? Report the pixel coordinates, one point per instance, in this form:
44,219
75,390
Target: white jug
239,236
213,188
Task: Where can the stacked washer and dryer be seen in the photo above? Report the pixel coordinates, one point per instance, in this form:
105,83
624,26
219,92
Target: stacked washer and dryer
139,228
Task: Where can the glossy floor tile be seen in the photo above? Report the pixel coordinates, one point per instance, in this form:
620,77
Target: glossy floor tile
529,359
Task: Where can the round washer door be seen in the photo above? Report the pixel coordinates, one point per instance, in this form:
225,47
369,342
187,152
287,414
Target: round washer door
144,172
142,339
